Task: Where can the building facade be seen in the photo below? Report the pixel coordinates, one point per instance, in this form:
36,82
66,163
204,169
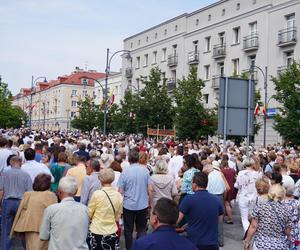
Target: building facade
222,39
54,103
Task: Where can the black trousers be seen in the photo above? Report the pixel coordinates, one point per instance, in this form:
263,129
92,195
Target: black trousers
208,247
131,217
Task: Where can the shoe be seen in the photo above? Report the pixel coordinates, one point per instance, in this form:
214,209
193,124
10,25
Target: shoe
221,245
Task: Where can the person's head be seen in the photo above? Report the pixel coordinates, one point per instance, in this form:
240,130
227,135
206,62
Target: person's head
15,161
200,180
116,166
276,193
38,147
289,188
3,142
224,164
280,159
276,178
46,157
143,158
294,168
29,154
62,157
283,168
161,167
80,159
133,156
95,165
272,156
207,168
189,161
82,147
249,163
165,212
262,186
42,182
67,187
94,153
106,176
179,150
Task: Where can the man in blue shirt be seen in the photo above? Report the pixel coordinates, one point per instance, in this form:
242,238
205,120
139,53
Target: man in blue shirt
134,184
164,237
203,210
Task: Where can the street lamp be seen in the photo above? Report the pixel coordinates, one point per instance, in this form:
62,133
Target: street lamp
265,75
107,70
33,81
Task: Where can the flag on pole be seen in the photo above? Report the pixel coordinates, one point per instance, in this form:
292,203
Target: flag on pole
264,110
256,110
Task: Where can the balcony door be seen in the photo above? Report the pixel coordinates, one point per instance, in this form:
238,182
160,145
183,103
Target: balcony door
291,23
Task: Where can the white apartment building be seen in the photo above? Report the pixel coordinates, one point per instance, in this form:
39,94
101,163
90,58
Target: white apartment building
222,39
54,103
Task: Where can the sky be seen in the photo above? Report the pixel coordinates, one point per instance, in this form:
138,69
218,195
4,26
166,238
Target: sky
51,37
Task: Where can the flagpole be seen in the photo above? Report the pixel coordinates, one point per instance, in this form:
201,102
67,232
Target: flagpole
266,97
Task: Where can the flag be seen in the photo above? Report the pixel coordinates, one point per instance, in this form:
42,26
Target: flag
256,110
264,110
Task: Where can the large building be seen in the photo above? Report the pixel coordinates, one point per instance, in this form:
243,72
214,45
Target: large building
222,39
54,103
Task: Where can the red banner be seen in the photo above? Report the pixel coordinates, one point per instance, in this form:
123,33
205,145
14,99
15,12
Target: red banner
160,132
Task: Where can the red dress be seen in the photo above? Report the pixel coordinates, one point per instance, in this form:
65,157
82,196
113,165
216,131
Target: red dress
229,174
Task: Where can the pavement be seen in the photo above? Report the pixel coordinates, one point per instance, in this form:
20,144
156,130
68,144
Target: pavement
233,234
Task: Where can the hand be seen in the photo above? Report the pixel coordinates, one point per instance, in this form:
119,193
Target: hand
246,245
180,230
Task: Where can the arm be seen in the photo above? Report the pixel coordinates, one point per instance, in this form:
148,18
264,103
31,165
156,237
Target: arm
180,217
150,193
92,206
250,234
1,195
84,192
227,187
45,226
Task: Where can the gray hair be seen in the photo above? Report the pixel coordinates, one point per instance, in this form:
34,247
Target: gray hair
248,162
289,188
106,176
161,167
68,185
94,153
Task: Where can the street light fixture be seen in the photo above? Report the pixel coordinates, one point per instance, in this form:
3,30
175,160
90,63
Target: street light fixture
33,81
265,75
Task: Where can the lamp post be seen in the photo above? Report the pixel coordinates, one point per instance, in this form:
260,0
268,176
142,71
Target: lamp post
265,75
33,81
107,71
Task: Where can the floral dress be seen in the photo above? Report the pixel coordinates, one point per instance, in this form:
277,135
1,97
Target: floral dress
273,218
186,185
293,207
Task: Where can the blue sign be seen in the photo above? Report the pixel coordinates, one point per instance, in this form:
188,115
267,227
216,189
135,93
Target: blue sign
271,112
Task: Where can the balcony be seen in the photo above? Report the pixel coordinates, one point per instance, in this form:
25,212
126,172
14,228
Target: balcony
249,74
215,82
282,69
251,42
193,57
172,60
219,51
128,72
171,84
287,37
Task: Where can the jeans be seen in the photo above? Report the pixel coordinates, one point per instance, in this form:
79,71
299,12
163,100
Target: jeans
131,217
220,225
9,210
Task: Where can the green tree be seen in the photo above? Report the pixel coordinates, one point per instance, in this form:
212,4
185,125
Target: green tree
287,87
10,116
90,116
154,105
192,120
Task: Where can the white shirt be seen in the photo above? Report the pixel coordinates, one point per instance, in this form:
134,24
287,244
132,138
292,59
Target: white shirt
174,165
216,183
287,180
4,153
34,168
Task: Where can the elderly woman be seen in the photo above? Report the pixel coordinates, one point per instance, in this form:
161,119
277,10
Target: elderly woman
245,183
105,209
30,212
59,169
163,184
271,223
293,206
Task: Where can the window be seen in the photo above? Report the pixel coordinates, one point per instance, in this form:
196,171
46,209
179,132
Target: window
74,104
155,35
235,65
163,76
195,43
73,114
207,44
197,22
209,17
74,92
223,12
146,60
138,62
206,69
291,21
236,35
205,98
147,39
174,49
137,80
176,27
84,93
254,1
164,54
165,32
139,42
222,38
238,6
253,28
131,44
154,57
84,81
251,60
221,68
289,58
173,74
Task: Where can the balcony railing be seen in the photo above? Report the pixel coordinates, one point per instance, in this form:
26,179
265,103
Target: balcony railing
287,37
251,42
171,84
219,51
193,57
128,72
249,74
282,69
215,81
172,60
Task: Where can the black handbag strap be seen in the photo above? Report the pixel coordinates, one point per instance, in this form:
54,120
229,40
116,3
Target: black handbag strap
110,202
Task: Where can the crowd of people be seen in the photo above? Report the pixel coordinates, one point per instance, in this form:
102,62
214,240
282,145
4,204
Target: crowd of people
63,190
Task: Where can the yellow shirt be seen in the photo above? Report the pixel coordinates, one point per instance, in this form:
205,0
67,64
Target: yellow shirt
101,213
79,172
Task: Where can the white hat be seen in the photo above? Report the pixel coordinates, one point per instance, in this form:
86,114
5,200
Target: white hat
216,165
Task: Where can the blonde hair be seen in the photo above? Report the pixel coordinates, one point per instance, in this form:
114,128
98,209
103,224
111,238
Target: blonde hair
143,158
293,167
276,192
262,186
